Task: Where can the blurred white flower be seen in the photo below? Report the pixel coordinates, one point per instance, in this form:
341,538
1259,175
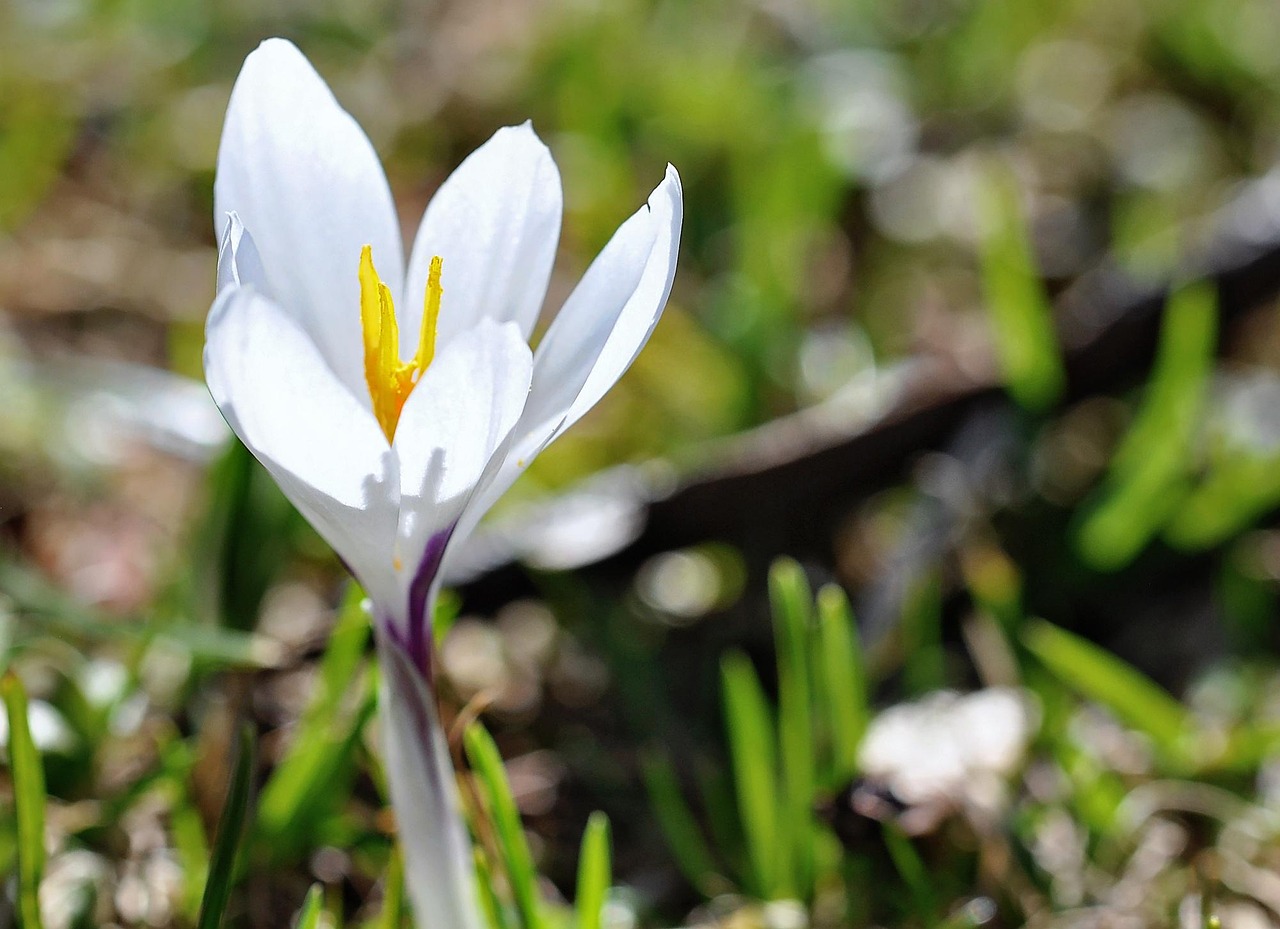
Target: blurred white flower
394,449
950,748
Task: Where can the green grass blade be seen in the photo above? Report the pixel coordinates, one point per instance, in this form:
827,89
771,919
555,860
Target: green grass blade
244,537
1184,358
308,785
28,800
792,604
1021,316
39,601
676,820
717,793
394,910
231,826
312,909
347,645
1100,676
595,872
1149,475
322,745
844,681
486,762
754,756
1241,486
192,847
495,915
924,656
913,871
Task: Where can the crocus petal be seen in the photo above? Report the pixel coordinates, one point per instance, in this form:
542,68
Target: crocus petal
609,316
238,258
496,223
438,862
302,175
453,433
320,444
595,337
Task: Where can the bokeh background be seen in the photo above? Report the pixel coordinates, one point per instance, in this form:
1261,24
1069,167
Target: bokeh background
919,340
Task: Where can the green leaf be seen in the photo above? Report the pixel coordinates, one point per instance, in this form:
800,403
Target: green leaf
495,914
1184,358
312,909
754,755
1149,475
676,820
595,872
394,910
192,846
845,688
60,614
301,785
924,656
1019,309
486,762
245,536
913,871
28,800
1241,485
231,826
1100,676
792,618
39,134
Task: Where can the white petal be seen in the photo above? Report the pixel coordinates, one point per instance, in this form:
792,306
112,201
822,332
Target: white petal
455,422
594,338
238,258
438,869
495,223
609,316
322,447
302,175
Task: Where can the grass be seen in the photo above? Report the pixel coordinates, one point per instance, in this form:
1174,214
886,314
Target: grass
865,183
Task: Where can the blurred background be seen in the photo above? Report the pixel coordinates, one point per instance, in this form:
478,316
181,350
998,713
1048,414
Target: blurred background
975,318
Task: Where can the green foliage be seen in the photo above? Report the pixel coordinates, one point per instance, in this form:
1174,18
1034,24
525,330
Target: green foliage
312,909
753,756
834,156
508,859
677,821
36,134
923,655
595,873
48,610
500,810
1102,677
231,827
844,687
794,634
245,537
914,873
1149,474
783,762
28,801
303,788
394,906
1021,317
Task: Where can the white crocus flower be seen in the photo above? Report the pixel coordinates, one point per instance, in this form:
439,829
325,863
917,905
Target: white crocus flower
393,448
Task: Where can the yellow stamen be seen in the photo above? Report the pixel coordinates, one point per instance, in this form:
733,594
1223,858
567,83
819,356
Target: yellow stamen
391,381
430,315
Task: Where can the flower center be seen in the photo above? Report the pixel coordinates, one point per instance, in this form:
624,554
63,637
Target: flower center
390,380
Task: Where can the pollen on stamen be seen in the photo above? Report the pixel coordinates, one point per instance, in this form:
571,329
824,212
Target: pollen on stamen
390,380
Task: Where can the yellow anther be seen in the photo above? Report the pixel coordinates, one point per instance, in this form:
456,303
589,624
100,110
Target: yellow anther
390,380
430,315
